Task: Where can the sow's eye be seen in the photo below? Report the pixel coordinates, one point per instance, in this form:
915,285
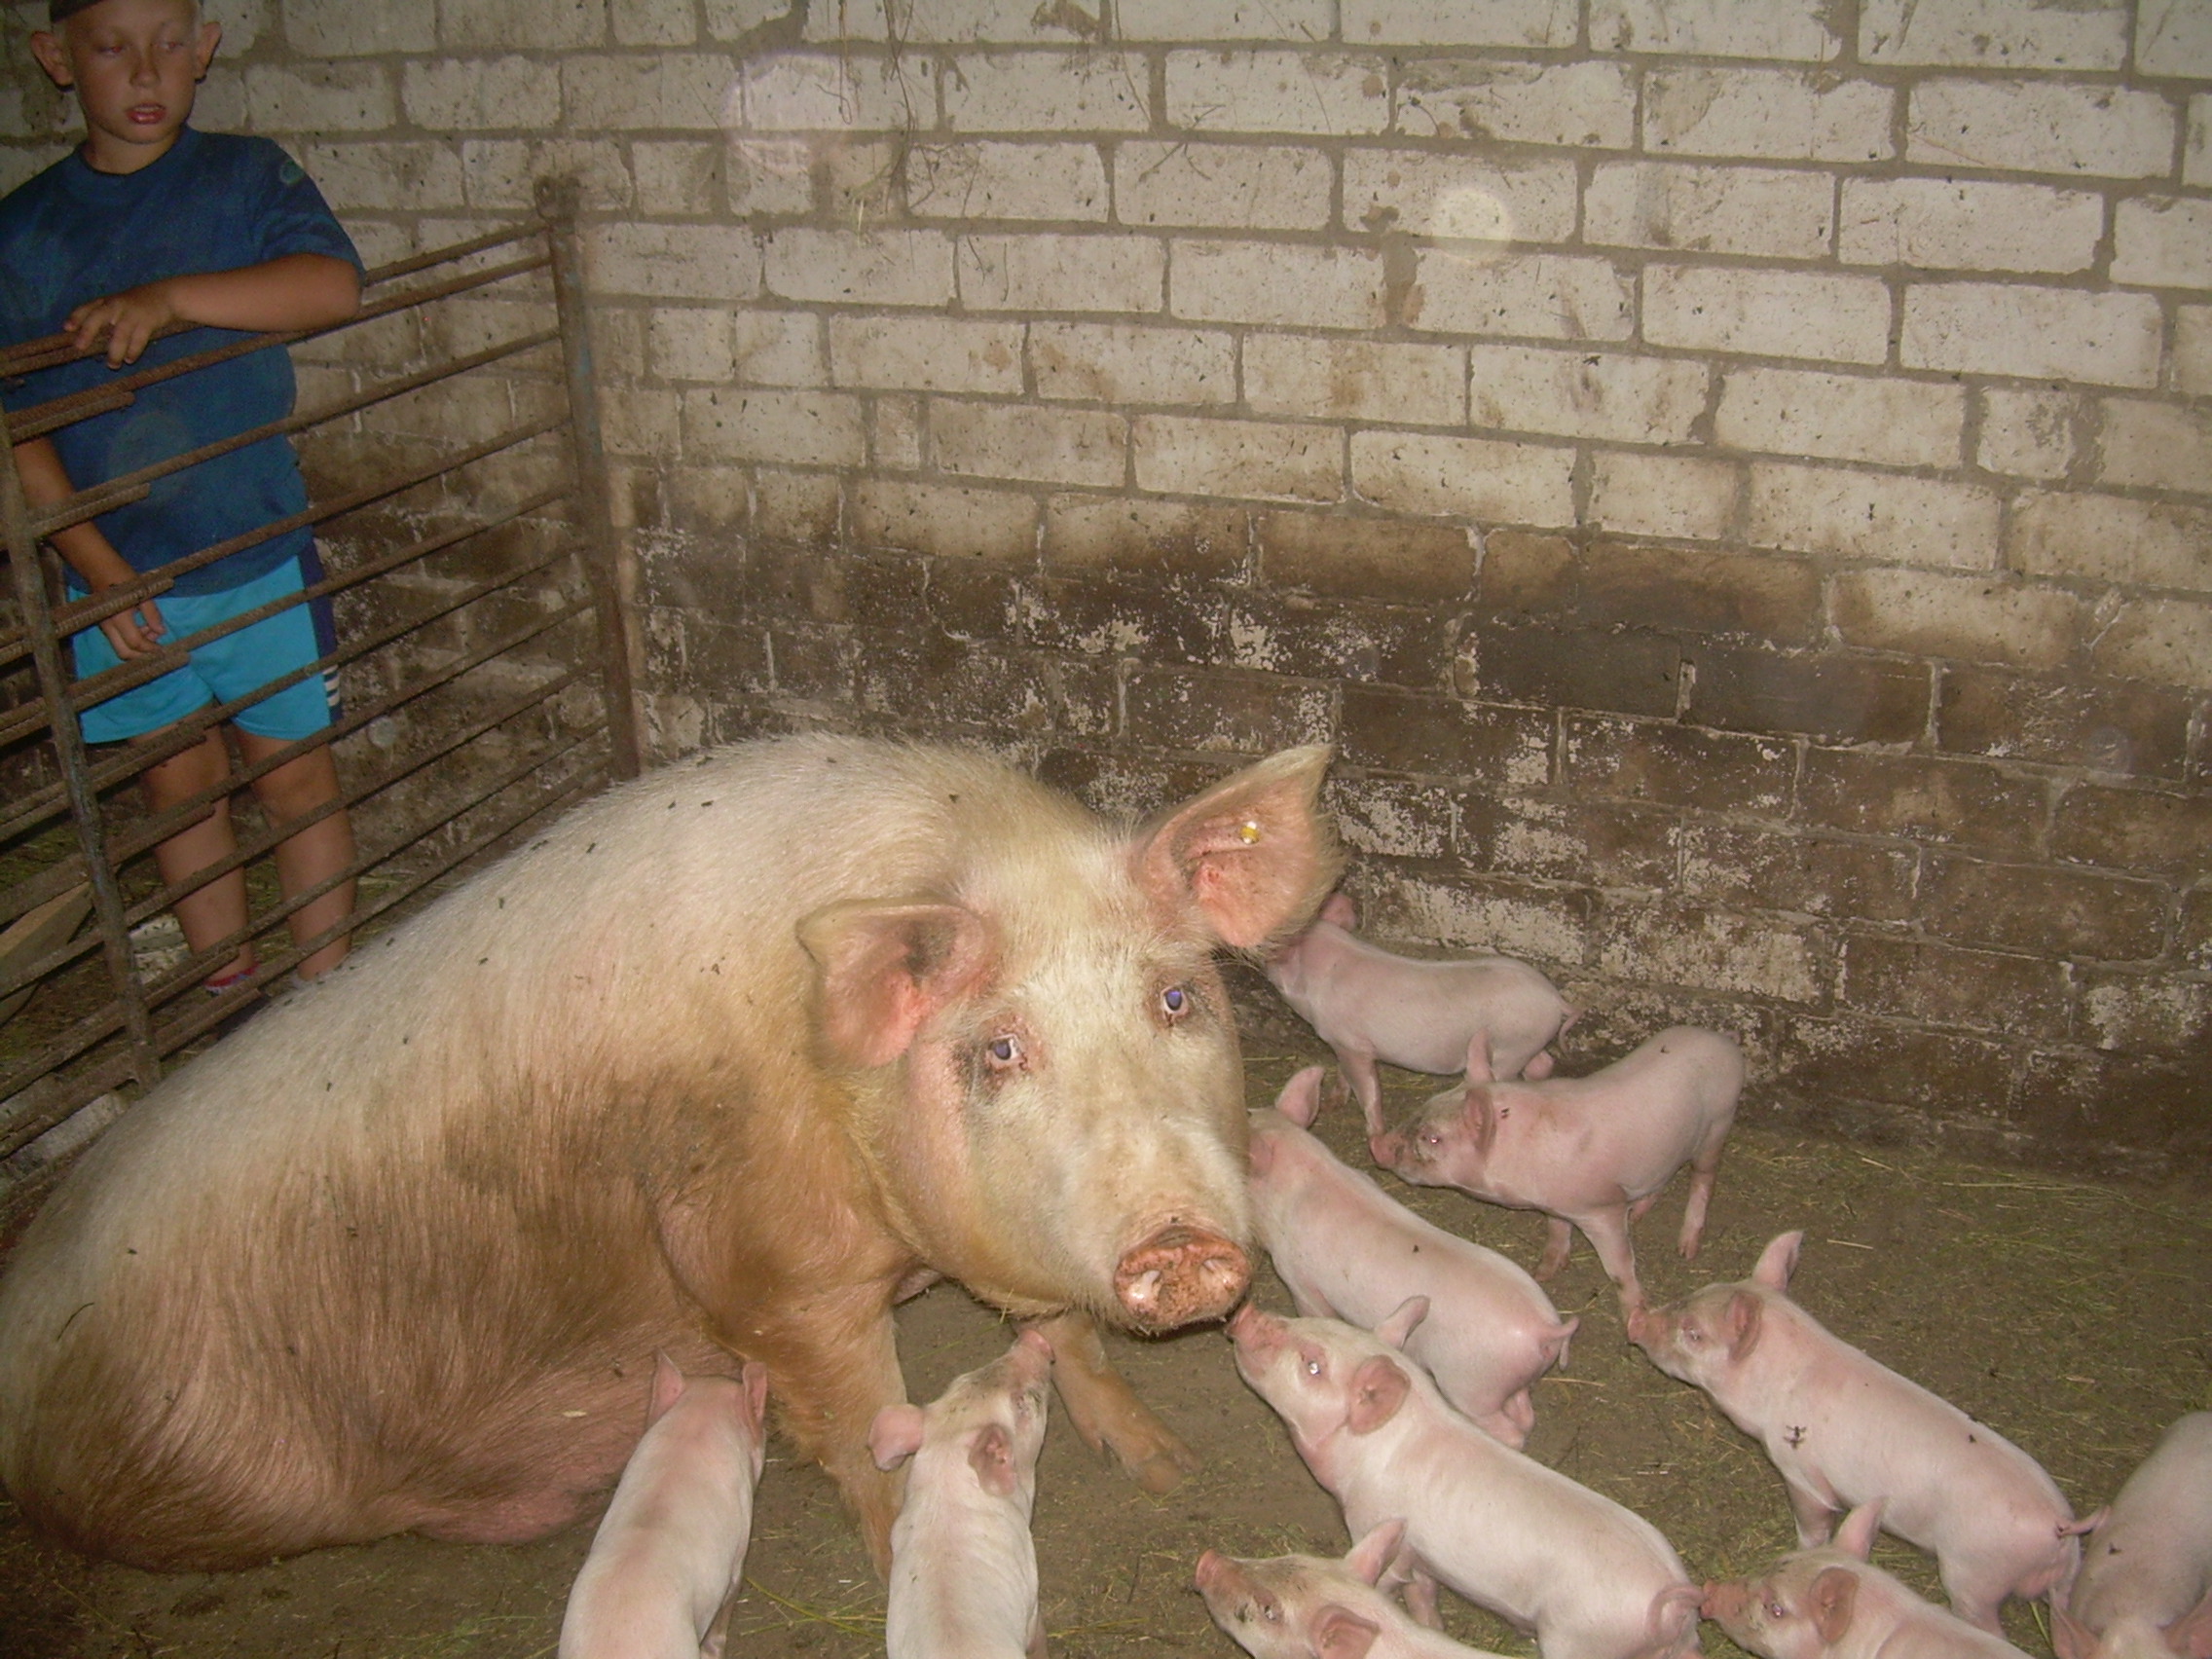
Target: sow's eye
1003,1052
1174,1002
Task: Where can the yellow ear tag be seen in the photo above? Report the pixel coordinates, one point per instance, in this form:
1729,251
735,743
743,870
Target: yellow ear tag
1248,832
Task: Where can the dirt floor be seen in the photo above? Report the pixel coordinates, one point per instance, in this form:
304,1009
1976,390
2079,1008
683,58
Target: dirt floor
2075,1318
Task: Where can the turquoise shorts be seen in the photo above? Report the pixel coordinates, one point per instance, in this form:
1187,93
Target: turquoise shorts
220,669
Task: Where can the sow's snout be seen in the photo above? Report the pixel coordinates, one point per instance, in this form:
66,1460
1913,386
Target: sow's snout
1179,1276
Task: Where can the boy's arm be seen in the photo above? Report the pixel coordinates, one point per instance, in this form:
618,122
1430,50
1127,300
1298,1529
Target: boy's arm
297,290
45,482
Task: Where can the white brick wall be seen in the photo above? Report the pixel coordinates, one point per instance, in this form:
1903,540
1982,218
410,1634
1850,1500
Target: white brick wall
1919,290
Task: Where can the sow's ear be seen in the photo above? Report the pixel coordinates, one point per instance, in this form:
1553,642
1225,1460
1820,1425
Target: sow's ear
1253,855
885,969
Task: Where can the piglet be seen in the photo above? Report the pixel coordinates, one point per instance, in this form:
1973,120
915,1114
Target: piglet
1845,1429
671,1547
963,1568
2144,1589
1829,1604
1369,1005
1348,1250
1593,1580
1302,1607
1588,1151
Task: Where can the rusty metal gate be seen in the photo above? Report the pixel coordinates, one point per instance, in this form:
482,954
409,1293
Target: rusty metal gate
459,491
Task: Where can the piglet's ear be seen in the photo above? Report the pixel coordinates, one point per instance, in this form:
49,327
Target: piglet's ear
1301,1098
1740,1323
1479,1068
1339,1633
1779,1260
1835,1592
895,1435
667,1389
753,1379
1376,1551
1402,1321
1379,1387
1252,856
1482,1119
1339,911
991,1456
2190,1634
1855,1537
885,970
2070,1638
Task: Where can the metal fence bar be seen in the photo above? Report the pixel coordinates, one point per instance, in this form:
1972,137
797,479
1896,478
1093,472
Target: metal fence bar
175,738
69,753
131,486
125,846
123,1041
18,1133
613,573
84,612
79,405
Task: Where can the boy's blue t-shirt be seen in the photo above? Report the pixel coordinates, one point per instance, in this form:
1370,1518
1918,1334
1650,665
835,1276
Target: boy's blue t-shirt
214,201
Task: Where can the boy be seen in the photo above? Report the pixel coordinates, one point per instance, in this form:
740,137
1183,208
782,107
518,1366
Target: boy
151,222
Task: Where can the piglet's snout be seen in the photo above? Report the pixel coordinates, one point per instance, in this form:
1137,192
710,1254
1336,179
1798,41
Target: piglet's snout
1724,1601
1181,1274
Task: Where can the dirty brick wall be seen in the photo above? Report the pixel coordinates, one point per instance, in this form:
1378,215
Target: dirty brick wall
1734,477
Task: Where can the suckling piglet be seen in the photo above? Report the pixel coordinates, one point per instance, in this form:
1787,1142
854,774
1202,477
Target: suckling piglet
1592,1579
1369,1005
1829,1604
1844,1431
1301,1606
672,1544
1348,1250
2144,1589
963,1565
1590,1152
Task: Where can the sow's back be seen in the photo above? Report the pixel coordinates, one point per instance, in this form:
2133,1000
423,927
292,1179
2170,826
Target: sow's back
716,1067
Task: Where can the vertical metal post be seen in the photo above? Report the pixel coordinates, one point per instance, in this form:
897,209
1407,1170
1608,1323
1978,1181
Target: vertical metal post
614,571
69,748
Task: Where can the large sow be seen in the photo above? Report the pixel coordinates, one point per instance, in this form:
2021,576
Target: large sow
734,1057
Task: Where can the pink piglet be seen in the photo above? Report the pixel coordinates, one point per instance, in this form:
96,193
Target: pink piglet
1302,1607
2144,1589
963,1565
671,1547
1370,1005
1348,1250
1590,1152
1830,1604
1844,1431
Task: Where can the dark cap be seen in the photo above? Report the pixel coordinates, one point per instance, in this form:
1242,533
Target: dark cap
56,10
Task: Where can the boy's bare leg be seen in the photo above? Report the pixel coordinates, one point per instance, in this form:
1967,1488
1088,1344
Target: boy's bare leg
316,853
218,908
